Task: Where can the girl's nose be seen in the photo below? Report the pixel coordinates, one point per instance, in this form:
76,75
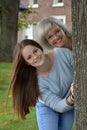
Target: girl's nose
34,56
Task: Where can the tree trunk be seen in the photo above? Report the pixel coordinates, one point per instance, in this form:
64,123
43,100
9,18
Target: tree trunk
79,27
8,28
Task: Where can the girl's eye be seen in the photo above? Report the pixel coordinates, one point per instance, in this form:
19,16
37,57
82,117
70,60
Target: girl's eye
36,50
29,57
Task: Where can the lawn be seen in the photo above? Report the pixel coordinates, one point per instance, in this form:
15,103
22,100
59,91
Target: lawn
8,120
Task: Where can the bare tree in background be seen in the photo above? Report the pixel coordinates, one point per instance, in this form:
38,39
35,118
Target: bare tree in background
79,26
8,28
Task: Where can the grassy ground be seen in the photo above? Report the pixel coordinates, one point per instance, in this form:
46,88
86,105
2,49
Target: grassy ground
8,120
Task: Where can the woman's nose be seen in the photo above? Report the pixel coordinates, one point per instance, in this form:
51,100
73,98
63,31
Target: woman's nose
55,37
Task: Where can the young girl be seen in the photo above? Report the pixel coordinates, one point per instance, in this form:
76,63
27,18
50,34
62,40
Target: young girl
43,80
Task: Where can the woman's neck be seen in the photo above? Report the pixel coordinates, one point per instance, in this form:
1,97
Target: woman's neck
69,44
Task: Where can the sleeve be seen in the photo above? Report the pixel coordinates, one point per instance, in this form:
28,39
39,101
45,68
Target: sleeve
52,100
65,53
68,54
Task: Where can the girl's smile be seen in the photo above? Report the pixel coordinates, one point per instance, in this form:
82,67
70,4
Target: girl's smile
33,55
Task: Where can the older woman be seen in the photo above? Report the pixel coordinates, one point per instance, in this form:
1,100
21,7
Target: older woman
53,33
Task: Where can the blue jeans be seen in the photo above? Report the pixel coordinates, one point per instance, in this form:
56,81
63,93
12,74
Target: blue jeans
48,119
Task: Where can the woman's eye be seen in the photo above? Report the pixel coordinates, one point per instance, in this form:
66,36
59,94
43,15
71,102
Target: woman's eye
57,31
50,37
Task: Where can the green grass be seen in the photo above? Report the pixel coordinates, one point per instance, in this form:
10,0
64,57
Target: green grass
8,120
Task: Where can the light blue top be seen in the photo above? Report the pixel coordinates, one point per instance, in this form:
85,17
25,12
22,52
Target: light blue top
56,86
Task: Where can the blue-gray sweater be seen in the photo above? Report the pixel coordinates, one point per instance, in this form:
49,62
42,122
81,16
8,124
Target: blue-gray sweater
56,86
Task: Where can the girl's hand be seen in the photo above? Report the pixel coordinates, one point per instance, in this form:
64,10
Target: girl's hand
72,89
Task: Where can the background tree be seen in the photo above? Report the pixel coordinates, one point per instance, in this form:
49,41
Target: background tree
23,19
8,28
10,22
79,25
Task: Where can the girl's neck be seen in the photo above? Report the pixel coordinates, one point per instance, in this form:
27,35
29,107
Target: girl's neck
46,67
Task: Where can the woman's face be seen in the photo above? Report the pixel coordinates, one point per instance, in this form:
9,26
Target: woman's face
56,36
33,55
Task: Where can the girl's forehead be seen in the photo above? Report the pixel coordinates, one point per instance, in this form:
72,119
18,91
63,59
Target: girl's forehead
28,48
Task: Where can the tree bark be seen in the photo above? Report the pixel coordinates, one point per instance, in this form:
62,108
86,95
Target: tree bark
8,28
79,27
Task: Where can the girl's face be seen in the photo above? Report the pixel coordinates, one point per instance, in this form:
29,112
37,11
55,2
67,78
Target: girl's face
33,55
56,36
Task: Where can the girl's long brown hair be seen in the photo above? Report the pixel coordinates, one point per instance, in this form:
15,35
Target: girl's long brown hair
24,83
